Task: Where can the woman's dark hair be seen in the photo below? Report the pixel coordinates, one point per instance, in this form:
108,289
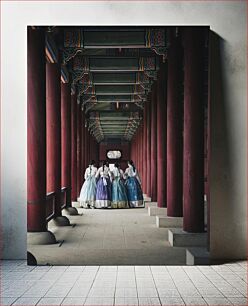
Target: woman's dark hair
132,164
107,163
92,163
117,165
103,164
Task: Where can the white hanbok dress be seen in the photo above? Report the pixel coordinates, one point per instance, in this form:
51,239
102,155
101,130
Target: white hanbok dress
88,191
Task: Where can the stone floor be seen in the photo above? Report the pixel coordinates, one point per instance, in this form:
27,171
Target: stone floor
110,237
123,285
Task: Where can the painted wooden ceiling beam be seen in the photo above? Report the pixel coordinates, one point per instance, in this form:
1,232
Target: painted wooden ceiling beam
100,64
116,90
142,37
112,98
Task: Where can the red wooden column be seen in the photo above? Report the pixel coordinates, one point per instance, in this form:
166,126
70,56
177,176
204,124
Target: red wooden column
144,183
90,149
161,135
141,154
66,145
154,142
148,146
79,148
133,148
36,140
175,130
193,149
97,152
86,148
95,156
136,160
138,150
83,166
53,137
74,147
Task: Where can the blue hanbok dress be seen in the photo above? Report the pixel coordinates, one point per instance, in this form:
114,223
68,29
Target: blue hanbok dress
133,185
103,188
119,193
87,195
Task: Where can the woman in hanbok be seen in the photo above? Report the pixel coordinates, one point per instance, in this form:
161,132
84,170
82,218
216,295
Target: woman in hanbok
103,187
133,185
88,191
119,194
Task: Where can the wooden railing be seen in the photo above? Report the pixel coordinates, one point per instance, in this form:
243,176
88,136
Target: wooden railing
50,206
50,203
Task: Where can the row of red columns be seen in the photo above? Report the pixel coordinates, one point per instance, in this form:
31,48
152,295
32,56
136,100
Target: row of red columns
59,144
147,151
168,148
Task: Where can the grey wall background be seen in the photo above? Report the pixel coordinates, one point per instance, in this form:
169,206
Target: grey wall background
228,178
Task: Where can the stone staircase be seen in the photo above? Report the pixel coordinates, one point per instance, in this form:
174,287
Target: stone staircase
196,243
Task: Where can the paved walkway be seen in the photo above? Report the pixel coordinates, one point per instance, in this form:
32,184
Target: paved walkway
110,237
123,285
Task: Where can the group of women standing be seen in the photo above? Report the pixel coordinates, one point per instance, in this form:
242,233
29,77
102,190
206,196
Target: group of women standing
103,188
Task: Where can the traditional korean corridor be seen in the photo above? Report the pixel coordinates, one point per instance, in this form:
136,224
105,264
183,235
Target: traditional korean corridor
135,98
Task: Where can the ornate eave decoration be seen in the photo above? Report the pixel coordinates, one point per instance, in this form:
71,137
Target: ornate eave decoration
73,38
152,74
77,76
139,90
83,89
138,98
81,63
142,78
156,39
147,63
69,53
140,104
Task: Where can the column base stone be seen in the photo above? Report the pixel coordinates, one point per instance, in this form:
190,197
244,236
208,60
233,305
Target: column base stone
60,221
151,204
70,211
162,221
197,256
179,238
157,211
41,238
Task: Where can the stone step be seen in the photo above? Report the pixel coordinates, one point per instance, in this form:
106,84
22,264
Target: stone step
147,199
157,211
151,204
179,238
164,221
197,256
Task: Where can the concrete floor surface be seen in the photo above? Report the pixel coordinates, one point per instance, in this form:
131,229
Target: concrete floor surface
110,237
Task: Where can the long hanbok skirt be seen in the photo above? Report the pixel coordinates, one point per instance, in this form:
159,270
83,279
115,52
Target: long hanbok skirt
119,194
103,193
134,192
87,195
